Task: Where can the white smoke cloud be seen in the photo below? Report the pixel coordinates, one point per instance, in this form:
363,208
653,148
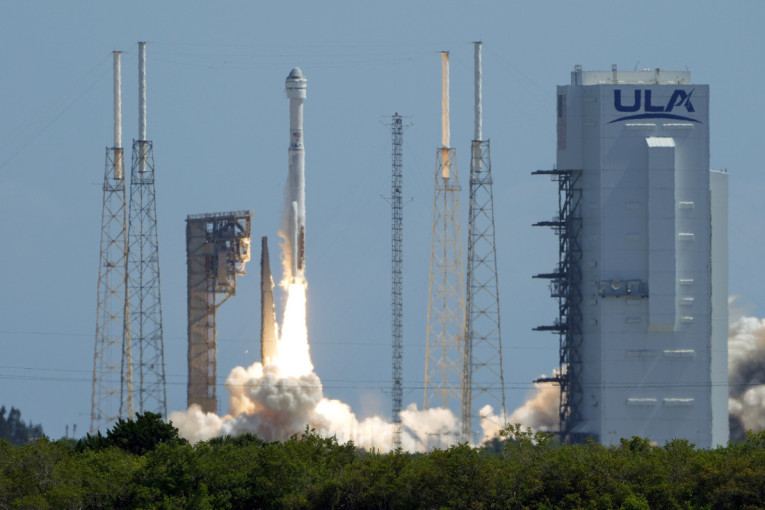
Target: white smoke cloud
275,408
540,411
263,402
195,425
746,374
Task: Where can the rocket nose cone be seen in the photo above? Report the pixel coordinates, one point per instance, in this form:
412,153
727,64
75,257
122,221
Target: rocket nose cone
296,73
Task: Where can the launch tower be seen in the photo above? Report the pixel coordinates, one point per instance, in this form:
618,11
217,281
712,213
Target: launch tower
217,249
641,280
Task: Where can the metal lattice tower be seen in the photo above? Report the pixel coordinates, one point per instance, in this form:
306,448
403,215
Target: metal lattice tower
566,288
112,396
484,378
217,249
397,227
143,266
446,302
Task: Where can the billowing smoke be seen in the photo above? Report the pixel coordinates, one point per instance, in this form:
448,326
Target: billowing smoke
540,411
274,407
746,374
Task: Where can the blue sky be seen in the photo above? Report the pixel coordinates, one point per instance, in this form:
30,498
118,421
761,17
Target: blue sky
218,117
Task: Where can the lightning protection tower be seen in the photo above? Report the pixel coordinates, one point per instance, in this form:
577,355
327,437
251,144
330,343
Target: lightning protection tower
446,302
483,376
143,265
217,249
397,228
112,364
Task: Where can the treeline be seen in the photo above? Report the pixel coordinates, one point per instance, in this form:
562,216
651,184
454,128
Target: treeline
143,464
15,431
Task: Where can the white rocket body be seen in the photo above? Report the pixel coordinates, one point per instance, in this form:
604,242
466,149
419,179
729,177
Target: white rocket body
296,92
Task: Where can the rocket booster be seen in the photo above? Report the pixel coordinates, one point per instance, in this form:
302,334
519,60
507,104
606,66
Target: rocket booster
268,349
296,92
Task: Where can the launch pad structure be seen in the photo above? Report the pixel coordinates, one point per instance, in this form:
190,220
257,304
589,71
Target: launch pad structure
217,250
565,287
641,276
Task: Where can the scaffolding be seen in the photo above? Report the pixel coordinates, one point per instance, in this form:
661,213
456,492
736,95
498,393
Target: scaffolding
217,250
446,304
565,287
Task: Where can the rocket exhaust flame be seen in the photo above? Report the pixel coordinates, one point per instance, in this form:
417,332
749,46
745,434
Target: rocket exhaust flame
293,358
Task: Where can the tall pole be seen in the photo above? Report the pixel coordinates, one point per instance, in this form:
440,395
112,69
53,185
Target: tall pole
446,301
143,264
397,132
483,373
112,395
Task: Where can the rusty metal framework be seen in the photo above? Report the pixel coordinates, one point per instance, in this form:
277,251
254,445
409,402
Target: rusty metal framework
444,362
217,250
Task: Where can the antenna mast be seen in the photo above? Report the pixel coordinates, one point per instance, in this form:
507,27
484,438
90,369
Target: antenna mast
397,228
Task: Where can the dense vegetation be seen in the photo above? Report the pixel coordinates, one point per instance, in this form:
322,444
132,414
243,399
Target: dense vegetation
143,464
15,431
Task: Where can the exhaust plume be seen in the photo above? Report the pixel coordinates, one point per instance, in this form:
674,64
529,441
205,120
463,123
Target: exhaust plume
540,411
746,374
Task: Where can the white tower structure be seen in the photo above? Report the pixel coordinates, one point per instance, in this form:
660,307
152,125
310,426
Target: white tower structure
642,277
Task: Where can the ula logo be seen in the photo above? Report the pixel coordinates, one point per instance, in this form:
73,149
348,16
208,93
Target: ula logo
642,100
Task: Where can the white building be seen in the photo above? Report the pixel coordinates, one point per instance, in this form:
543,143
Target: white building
645,314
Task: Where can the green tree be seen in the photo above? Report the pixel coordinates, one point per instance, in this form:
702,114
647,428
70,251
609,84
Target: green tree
14,430
136,436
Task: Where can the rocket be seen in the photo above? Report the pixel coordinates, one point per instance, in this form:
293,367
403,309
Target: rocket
296,92
268,349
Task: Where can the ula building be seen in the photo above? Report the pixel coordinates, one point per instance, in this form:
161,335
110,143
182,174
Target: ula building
641,279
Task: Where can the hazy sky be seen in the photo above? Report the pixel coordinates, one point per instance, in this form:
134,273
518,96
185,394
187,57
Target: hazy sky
218,117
